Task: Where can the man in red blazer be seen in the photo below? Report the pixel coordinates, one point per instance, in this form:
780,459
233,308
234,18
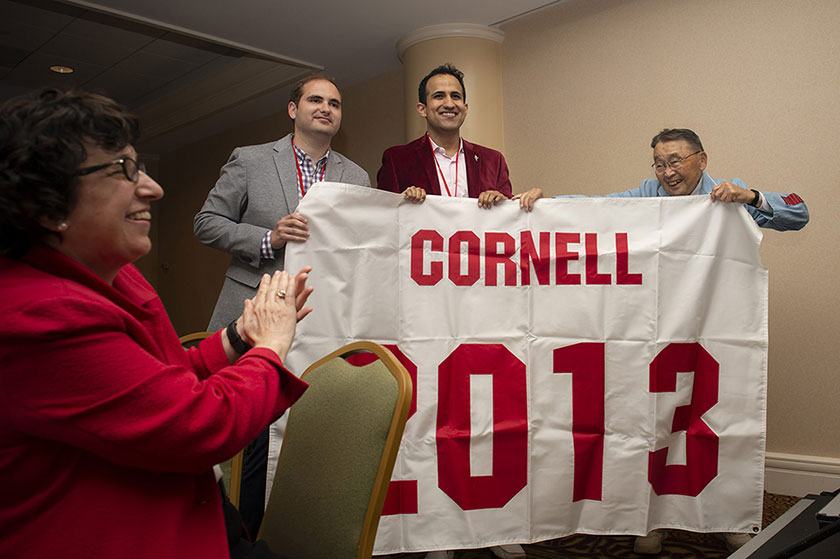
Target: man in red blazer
441,162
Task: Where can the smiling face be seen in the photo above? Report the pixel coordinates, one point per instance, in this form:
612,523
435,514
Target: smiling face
318,112
445,108
109,224
682,180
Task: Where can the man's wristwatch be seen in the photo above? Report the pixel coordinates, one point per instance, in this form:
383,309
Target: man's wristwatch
239,345
756,198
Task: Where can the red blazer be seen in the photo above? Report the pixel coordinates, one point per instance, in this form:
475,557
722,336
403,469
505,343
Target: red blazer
108,428
413,164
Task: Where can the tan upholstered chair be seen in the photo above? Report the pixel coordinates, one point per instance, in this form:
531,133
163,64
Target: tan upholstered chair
232,469
337,456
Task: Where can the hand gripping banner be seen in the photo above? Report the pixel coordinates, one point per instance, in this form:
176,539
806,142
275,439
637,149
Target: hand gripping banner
596,366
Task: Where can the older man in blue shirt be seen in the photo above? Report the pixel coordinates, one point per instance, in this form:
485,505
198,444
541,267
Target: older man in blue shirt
679,163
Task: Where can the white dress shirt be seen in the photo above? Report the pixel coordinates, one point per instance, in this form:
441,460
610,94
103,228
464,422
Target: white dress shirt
446,171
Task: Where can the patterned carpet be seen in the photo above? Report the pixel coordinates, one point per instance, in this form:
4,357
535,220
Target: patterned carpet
678,544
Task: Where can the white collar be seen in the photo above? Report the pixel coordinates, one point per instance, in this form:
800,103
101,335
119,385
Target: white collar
439,150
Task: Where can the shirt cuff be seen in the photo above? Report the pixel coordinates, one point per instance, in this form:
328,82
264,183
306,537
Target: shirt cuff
266,252
763,206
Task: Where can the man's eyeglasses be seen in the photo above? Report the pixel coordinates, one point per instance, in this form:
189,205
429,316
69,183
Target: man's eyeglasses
674,163
130,168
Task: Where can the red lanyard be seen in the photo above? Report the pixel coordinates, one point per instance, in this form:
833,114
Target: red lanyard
300,174
442,177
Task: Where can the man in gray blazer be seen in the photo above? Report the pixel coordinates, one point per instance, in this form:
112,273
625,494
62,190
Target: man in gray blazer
251,213
259,189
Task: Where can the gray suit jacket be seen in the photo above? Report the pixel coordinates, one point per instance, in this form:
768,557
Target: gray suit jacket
258,185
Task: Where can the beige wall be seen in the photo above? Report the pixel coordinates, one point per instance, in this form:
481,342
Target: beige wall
372,120
189,274
586,86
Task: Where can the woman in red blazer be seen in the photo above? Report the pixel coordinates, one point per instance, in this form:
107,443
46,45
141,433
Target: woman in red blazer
108,429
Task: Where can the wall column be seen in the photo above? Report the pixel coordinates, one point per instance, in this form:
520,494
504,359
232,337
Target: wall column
476,51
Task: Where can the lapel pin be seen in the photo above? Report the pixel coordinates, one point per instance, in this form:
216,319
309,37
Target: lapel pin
476,157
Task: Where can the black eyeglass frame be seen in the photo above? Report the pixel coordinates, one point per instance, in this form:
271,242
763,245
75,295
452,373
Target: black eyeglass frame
676,164
122,161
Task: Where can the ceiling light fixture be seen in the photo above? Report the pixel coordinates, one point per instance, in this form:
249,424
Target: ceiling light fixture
60,69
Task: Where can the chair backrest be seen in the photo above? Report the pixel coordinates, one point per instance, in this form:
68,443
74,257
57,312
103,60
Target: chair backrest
337,457
232,469
193,339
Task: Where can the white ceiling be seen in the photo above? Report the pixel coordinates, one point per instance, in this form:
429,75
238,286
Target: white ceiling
190,68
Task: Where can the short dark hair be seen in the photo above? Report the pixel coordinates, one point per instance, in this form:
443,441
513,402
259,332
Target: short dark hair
297,90
42,145
443,69
674,134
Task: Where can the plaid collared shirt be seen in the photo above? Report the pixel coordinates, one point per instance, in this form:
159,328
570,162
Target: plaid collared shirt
310,173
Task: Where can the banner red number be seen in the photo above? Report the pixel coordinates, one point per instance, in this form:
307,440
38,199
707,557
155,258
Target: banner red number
701,442
585,362
510,426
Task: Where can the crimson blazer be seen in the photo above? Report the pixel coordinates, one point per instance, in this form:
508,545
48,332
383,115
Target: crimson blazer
109,429
413,164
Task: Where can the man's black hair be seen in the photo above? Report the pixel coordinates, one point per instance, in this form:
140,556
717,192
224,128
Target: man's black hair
673,134
444,69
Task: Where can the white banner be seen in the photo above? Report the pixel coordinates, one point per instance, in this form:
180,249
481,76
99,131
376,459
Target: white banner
596,366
